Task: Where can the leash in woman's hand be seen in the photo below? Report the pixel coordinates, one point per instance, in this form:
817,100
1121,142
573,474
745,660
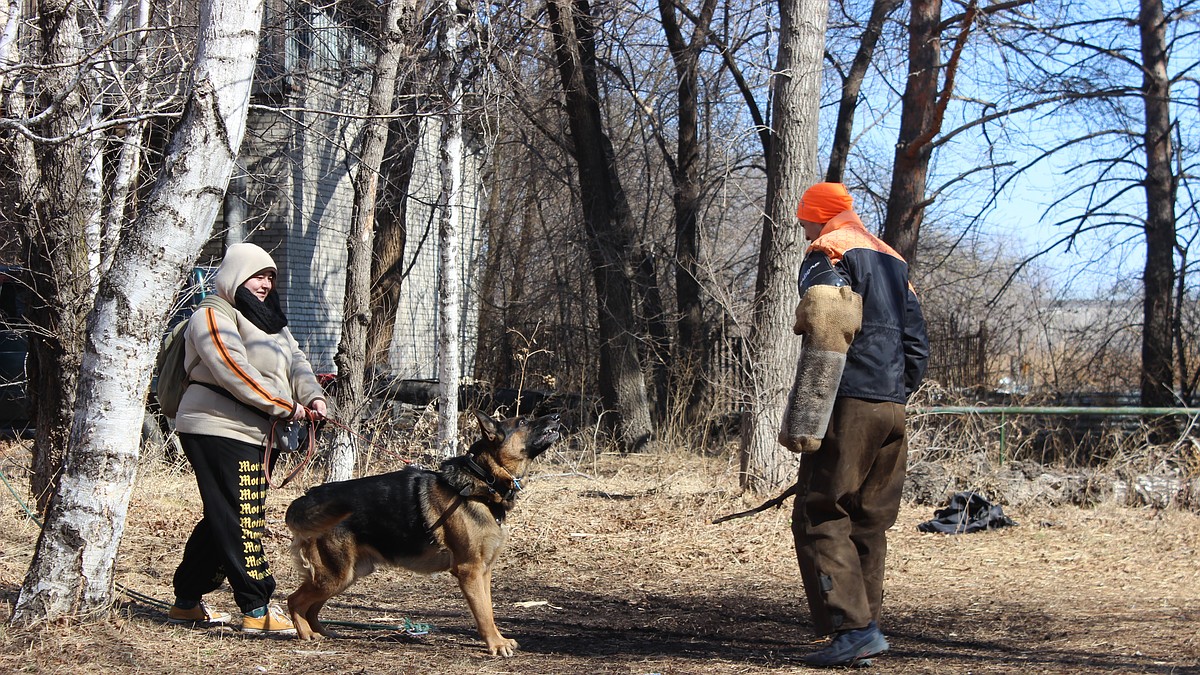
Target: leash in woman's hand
364,439
313,429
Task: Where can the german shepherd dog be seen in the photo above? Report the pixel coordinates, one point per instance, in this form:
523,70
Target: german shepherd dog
422,520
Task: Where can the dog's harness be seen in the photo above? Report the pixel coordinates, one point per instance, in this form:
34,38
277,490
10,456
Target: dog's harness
497,502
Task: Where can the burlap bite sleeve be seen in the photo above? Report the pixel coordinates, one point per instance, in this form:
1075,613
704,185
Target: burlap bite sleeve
827,317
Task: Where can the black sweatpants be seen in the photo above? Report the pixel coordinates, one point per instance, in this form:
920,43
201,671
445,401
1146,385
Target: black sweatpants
227,542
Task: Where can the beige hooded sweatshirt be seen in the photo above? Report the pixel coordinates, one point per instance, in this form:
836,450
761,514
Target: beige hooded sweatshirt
265,372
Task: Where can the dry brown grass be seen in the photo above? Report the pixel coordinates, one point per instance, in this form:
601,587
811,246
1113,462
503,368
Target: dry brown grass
614,567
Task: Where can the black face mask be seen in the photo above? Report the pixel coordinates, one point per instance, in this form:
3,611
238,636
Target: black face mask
266,314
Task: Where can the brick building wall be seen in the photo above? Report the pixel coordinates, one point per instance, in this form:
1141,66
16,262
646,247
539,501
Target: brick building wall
297,172
415,340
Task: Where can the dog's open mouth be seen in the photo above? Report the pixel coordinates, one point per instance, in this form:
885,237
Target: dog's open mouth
548,434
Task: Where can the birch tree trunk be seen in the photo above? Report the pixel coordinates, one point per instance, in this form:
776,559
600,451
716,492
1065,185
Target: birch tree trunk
10,23
17,169
791,168
356,309
59,258
450,160
71,575
93,196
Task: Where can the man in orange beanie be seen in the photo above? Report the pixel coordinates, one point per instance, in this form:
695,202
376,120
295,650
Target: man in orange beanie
821,203
864,352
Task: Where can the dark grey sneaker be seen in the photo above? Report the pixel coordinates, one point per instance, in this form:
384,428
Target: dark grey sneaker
849,647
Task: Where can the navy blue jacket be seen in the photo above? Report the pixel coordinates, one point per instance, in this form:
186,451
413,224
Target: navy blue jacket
888,357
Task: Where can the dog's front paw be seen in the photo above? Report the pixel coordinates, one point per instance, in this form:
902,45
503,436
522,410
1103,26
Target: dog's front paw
502,647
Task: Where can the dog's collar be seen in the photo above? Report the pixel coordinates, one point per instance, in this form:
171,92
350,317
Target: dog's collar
489,481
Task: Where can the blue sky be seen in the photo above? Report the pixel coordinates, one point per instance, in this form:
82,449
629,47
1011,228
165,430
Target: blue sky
1034,210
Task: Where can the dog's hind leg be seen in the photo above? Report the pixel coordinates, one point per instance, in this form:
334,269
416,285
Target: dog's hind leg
327,576
475,580
303,606
310,617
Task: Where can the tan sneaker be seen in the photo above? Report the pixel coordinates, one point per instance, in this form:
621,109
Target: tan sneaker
274,622
198,614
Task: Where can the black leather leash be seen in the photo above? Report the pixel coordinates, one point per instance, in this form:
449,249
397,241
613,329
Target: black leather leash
762,507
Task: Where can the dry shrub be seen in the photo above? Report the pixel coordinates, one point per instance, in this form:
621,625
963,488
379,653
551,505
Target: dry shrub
1071,441
1053,459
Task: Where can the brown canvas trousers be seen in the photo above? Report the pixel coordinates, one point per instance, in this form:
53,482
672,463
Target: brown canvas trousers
848,495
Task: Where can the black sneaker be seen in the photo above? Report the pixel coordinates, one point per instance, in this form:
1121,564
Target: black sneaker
849,647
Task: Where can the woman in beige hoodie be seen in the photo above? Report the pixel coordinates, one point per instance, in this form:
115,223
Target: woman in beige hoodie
251,373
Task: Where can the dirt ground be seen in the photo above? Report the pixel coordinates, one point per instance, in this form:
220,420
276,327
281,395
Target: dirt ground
614,566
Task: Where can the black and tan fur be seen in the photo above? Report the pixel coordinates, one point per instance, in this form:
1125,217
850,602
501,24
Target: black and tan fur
422,520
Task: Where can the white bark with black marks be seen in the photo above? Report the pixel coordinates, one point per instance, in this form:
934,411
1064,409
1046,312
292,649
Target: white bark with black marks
72,573
450,162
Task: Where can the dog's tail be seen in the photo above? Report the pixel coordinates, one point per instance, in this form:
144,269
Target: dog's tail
309,517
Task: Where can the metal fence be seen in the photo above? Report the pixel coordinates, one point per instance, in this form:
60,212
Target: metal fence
957,356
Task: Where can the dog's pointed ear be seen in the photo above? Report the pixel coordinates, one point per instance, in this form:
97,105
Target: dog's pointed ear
488,427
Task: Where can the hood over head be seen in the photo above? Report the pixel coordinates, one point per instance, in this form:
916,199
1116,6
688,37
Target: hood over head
241,262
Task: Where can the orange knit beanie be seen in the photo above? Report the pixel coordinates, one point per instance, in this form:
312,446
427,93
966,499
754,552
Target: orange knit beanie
824,201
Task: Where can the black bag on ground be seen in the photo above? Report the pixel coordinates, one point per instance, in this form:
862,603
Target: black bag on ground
966,512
